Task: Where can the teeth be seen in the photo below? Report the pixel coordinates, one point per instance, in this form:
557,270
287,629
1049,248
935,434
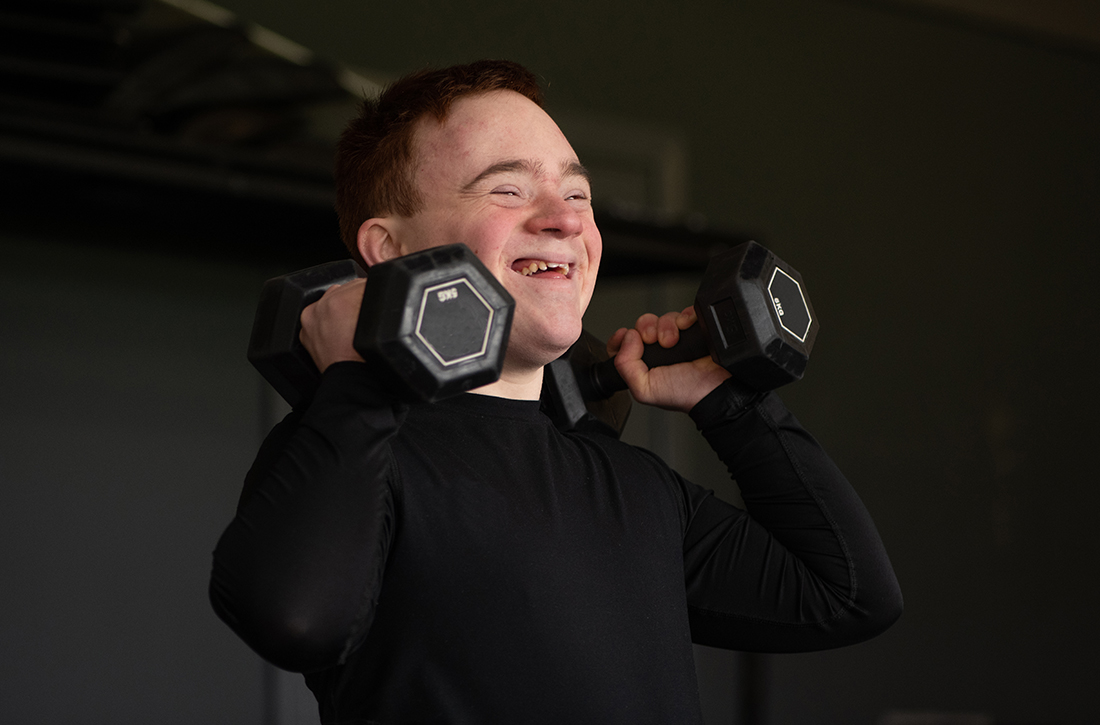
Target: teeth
541,266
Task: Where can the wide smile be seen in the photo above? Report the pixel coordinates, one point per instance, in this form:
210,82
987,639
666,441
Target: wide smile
542,268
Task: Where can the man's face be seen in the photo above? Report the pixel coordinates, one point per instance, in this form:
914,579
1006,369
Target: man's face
499,176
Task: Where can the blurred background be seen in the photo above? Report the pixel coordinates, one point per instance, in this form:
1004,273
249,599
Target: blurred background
931,167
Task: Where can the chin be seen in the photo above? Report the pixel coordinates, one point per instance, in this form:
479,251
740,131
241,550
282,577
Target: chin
546,346
562,337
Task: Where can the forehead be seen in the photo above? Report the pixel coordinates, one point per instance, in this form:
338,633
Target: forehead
484,130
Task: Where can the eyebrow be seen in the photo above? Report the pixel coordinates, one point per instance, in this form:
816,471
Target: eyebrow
568,169
575,168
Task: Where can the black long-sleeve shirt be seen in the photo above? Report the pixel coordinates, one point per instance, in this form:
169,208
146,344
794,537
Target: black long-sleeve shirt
472,564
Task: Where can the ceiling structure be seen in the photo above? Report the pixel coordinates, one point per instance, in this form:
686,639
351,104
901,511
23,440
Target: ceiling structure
172,116
1068,24
127,116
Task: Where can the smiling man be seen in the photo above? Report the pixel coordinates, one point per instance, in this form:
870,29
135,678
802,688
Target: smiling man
466,562
499,176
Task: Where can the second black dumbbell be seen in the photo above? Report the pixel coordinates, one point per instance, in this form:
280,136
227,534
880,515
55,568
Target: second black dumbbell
755,320
432,324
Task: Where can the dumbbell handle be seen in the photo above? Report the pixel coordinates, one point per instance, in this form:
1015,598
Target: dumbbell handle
601,380
274,347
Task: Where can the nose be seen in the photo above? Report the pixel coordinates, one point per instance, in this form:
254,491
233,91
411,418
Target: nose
556,217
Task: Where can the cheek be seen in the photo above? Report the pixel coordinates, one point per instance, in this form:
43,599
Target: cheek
487,238
594,243
594,247
586,298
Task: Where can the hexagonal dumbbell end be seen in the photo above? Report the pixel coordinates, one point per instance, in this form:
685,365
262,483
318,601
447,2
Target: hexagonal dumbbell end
436,322
757,316
274,348
755,320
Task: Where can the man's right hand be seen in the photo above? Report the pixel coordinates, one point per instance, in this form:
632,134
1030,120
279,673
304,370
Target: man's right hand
328,325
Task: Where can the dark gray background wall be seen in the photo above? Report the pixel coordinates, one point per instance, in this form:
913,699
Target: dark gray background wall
937,185
128,416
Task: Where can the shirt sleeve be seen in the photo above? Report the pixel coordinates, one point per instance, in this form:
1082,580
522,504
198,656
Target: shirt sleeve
802,568
296,574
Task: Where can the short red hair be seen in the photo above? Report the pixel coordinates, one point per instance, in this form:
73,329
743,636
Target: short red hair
374,158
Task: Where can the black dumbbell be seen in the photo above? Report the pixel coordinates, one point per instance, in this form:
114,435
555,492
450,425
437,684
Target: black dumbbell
755,320
274,348
565,404
432,324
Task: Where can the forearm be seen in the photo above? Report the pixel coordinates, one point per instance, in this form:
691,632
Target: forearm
805,569
297,572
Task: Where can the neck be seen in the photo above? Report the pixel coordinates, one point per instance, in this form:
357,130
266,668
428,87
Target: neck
517,386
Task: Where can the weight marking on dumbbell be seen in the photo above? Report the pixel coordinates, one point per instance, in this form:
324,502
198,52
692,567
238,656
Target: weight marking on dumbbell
796,318
448,292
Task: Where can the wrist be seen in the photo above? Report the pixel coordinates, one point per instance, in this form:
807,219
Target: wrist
726,401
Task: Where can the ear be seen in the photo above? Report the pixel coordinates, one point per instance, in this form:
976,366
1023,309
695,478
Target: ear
376,241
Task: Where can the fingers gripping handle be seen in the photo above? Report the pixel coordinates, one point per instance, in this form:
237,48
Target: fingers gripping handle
602,380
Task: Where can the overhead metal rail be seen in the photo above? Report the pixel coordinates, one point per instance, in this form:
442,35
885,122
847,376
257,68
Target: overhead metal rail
120,113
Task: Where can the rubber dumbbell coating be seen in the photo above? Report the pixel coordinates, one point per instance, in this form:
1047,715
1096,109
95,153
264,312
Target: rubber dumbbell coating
435,323
755,320
432,324
274,348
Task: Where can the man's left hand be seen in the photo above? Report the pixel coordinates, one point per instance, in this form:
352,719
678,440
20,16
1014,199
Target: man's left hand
672,387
